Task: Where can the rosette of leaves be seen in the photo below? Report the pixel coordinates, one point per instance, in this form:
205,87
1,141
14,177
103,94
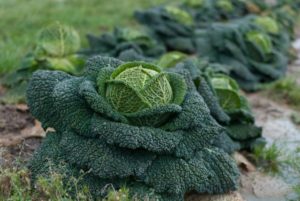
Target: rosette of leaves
55,49
126,44
130,124
223,97
253,54
171,25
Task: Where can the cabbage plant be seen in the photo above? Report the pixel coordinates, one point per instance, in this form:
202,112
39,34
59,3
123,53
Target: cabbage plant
257,48
253,55
241,128
55,48
224,99
130,124
171,25
125,44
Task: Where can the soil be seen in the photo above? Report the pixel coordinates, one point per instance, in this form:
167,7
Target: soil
20,134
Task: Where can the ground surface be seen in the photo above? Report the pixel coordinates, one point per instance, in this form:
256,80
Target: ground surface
20,134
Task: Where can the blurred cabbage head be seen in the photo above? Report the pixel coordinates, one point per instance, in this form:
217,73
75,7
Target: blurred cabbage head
170,59
225,5
268,24
194,3
260,40
58,40
134,35
179,15
227,91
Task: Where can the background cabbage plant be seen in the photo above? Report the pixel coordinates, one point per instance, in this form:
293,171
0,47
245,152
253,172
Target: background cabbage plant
172,26
161,143
55,48
254,55
245,35
125,42
223,97
208,11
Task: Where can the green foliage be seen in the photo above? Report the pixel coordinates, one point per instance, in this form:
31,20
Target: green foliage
268,24
256,48
121,195
194,3
207,11
125,43
225,5
163,151
296,118
172,26
227,92
260,40
268,158
251,55
179,15
224,100
57,40
55,49
297,191
286,90
15,184
170,59
241,128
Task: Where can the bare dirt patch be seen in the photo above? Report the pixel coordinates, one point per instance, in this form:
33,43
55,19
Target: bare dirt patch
20,134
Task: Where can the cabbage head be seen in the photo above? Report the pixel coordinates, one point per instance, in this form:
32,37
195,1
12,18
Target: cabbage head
179,15
225,5
136,86
55,48
260,40
268,24
170,59
129,124
194,3
57,40
134,35
227,92
172,26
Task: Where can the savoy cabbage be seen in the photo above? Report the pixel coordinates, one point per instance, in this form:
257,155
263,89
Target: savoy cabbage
256,47
168,27
125,41
55,48
130,124
255,55
223,98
